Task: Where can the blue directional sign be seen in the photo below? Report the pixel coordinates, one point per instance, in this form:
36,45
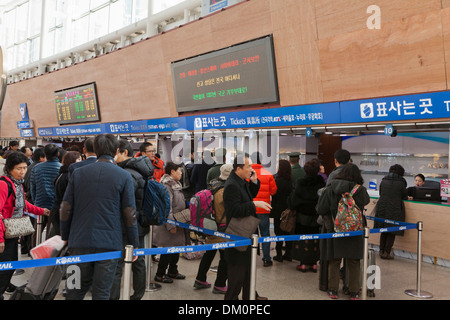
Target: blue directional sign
411,107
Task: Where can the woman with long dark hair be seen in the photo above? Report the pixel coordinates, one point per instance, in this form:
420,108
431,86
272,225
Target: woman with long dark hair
350,248
304,201
283,179
61,182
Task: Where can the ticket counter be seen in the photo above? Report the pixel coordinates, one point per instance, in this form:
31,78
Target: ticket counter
436,228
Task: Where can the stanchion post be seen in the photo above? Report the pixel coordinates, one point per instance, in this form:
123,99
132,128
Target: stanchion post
38,230
365,264
127,273
255,244
151,287
418,293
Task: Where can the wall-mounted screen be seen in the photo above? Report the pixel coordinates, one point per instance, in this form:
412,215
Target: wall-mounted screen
244,74
78,104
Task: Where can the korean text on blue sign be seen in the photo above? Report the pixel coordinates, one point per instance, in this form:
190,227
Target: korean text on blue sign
411,107
279,117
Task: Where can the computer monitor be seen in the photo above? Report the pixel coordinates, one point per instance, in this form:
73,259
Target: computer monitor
427,194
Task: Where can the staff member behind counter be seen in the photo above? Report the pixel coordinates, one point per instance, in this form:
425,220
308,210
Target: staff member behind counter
419,181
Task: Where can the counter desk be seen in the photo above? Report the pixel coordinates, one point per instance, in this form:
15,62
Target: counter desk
435,233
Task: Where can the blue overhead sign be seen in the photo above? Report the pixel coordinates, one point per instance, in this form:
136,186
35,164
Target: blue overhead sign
268,118
260,118
390,109
412,107
26,133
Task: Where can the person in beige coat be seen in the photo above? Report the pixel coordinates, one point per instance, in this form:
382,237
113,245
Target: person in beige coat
168,235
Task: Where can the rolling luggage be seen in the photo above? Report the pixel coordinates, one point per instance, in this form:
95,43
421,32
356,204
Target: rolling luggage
44,282
370,262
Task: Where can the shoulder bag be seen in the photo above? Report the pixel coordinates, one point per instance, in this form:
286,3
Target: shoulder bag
288,220
18,227
243,227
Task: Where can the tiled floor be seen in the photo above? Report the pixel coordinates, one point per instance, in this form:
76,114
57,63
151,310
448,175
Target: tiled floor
283,282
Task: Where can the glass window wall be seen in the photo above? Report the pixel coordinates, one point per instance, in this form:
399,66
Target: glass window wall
68,23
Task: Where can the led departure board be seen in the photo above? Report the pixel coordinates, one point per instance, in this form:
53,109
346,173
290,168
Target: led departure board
77,104
243,74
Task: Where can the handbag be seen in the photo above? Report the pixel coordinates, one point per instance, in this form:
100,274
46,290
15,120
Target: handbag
288,220
243,227
183,216
18,227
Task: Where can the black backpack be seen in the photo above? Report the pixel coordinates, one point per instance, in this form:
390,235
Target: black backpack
10,189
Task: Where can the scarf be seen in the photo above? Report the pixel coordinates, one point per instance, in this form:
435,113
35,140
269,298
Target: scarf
20,199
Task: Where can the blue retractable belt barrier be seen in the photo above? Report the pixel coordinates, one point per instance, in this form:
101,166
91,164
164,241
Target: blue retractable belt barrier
230,241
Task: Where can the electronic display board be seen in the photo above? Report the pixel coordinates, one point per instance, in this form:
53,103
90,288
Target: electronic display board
244,74
78,104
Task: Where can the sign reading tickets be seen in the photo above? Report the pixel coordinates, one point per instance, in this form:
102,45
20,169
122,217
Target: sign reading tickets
243,74
260,118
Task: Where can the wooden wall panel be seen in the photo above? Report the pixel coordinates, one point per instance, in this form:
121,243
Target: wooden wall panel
246,21
445,15
323,49
345,16
405,56
297,53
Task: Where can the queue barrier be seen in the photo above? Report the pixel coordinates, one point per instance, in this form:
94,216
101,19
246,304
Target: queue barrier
231,241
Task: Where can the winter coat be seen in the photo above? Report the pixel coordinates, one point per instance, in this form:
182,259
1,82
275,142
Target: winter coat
140,169
158,171
238,198
297,173
279,199
98,198
304,199
42,182
199,174
268,186
76,165
347,247
60,187
216,186
162,237
390,204
333,174
7,206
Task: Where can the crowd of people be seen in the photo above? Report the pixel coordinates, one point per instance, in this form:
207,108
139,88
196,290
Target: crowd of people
93,199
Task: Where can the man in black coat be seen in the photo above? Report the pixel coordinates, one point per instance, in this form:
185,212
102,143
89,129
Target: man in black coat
91,156
140,169
98,198
238,198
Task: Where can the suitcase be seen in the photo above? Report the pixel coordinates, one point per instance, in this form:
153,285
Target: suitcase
371,261
44,282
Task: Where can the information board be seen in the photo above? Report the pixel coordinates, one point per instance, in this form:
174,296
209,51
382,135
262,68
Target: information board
243,74
77,105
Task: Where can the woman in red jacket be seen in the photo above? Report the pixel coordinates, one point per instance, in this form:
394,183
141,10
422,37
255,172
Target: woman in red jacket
13,207
266,191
